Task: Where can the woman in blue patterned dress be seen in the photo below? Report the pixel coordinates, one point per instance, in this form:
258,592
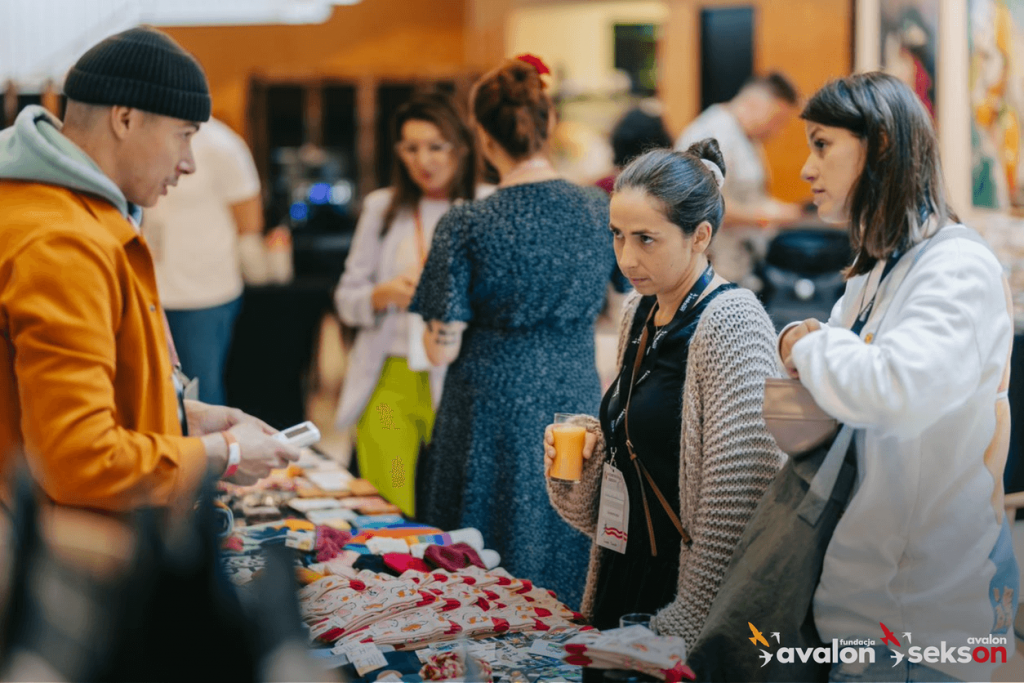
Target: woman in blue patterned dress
510,293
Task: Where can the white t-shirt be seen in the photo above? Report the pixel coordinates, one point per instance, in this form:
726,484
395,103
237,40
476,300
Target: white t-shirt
745,175
192,232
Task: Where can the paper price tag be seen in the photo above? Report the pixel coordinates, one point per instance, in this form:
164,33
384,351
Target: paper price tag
613,513
545,648
300,540
365,657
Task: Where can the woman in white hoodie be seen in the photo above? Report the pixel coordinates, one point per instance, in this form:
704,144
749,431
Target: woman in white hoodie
390,390
923,547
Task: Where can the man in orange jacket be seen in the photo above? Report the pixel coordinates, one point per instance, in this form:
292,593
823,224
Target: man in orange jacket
89,388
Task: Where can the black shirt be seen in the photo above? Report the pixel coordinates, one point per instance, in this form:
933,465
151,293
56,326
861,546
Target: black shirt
636,581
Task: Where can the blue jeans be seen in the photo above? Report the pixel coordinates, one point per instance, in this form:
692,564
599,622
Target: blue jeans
203,339
883,671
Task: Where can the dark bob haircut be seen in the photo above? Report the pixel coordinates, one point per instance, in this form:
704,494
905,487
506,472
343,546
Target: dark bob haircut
901,186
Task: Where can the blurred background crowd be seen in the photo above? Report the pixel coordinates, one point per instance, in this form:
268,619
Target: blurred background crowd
305,93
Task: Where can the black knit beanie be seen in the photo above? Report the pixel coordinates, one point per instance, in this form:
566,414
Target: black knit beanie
142,68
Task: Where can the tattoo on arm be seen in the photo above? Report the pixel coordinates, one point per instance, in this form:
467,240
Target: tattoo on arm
445,337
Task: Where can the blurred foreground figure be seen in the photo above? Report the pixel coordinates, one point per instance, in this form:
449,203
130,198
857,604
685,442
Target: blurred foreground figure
93,598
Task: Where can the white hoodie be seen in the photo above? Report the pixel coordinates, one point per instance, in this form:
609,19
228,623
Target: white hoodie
923,546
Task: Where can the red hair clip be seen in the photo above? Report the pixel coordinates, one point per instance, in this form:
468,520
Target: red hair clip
536,62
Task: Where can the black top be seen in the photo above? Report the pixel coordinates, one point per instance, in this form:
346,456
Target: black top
636,581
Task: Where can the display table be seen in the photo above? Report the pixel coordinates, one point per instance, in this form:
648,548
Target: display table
340,529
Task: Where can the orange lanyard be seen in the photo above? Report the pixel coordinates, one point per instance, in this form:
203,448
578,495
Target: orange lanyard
421,243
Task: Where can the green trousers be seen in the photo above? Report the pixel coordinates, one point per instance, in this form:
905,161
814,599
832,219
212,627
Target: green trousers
397,420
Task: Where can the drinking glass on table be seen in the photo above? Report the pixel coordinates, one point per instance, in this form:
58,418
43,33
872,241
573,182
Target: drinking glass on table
636,619
569,442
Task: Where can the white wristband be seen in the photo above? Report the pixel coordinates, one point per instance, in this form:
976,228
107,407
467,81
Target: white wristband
234,453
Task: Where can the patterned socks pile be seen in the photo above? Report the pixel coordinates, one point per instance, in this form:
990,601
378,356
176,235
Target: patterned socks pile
420,608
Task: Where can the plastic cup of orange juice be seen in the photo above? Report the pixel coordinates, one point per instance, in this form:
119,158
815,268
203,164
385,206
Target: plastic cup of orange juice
569,441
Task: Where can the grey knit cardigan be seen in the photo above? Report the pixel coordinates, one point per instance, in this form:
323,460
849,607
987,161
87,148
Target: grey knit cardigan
727,456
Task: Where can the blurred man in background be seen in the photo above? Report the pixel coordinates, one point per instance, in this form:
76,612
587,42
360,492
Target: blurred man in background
206,237
759,111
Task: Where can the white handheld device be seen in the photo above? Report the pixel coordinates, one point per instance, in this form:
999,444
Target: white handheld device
301,435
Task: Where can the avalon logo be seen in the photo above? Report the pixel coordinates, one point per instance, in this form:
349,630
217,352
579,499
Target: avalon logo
847,651
989,649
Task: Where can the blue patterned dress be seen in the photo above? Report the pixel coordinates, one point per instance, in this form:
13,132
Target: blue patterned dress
527,269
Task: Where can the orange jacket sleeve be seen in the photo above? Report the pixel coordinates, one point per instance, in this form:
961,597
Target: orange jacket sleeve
64,304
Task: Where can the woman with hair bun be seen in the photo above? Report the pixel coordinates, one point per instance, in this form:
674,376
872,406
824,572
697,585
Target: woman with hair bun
510,293
682,425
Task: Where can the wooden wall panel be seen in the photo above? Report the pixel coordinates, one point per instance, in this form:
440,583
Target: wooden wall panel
406,39
810,40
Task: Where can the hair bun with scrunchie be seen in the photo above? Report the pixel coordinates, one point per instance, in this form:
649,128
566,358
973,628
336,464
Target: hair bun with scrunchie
710,154
717,172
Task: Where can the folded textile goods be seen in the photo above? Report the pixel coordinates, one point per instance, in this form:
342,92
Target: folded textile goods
370,578
315,478
634,648
418,609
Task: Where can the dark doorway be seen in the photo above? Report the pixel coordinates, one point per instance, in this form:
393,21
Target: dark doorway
726,53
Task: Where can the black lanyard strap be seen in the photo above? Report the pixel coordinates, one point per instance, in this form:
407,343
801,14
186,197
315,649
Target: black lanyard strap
689,301
865,313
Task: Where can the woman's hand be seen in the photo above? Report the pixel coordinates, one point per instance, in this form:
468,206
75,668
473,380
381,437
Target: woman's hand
549,448
396,292
790,338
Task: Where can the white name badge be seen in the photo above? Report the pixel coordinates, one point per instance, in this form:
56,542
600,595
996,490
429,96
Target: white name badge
613,513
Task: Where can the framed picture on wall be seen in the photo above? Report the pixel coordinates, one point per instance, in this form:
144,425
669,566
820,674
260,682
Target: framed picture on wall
996,41
908,44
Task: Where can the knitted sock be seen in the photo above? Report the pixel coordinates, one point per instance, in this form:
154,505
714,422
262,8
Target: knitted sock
330,542
402,562
453,557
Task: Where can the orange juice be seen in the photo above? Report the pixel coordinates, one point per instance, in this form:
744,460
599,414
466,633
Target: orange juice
569,441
